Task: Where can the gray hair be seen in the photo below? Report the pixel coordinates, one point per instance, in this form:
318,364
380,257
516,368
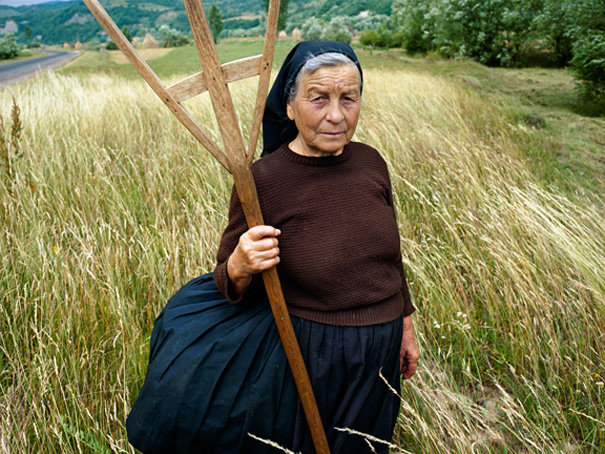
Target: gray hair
320,61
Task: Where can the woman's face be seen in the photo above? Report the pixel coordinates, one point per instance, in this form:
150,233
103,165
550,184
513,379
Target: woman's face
325,110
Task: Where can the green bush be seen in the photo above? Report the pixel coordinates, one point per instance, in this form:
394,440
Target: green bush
337,30
588,63
169,37
9,47
368,38
586,29
416,29
312,29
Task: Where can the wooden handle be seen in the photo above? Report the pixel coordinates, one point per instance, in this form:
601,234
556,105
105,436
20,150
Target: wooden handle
246,190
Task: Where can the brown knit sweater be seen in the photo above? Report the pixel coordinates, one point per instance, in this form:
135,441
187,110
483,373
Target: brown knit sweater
339,246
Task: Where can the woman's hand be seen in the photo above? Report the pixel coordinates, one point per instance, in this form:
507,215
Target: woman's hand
409,353
256,251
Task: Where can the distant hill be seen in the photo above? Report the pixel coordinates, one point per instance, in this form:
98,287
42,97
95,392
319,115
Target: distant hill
68,21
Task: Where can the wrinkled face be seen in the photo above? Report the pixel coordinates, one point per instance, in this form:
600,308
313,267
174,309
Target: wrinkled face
325,110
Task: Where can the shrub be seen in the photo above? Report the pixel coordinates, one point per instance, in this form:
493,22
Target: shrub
169,37
312,29
588,63
587,30
337,30
368,38
9,47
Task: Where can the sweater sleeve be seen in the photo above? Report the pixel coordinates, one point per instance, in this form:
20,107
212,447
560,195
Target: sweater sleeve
236,227
408,307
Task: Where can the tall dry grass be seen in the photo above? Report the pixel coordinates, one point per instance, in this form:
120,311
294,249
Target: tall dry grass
114,207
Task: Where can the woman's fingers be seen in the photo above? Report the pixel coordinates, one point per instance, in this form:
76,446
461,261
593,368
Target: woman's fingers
258,249
261,231
409,352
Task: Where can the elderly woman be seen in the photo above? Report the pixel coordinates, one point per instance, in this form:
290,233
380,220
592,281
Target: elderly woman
218,377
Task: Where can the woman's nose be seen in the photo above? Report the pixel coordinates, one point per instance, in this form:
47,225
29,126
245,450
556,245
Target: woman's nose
335,114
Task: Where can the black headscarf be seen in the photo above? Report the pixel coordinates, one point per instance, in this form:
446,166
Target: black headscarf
277,127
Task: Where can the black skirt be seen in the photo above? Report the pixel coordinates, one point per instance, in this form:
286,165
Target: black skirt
218,372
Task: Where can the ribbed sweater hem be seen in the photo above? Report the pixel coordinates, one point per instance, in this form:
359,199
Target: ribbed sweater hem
374,314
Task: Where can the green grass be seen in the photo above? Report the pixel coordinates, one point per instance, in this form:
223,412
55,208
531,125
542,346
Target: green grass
570,155
114,206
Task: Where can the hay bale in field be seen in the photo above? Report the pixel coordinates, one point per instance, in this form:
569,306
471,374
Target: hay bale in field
66,46
136,42
149,42
78,45
296,34
282,35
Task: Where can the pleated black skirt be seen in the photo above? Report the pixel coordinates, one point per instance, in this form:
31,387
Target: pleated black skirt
218,372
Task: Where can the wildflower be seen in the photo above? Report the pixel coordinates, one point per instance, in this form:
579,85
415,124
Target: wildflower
436,324
600,383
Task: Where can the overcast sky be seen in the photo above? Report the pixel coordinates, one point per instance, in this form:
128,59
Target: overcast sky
27,2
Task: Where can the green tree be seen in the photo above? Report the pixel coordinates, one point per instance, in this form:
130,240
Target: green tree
215,20
587,31
126,33
493,32
312,29
337,30
28,33
411,19
283,13
553,24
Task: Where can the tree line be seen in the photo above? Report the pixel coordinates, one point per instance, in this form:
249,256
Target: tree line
504,33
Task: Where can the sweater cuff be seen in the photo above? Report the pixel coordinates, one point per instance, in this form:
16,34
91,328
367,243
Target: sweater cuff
408,307
221,279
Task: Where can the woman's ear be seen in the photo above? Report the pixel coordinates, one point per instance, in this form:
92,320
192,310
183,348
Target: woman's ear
289,111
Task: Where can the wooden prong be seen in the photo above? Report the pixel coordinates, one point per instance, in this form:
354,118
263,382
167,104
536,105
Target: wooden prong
154,81
264,79
232,71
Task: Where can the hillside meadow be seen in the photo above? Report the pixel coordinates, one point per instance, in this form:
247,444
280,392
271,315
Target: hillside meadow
499,186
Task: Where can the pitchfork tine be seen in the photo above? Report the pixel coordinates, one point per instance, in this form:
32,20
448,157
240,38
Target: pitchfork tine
154,81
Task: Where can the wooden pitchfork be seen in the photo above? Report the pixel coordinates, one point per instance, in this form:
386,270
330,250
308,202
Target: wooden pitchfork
214,79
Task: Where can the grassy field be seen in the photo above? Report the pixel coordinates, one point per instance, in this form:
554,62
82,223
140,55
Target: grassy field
499,184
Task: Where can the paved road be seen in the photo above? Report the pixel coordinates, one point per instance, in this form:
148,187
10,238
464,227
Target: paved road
22,69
